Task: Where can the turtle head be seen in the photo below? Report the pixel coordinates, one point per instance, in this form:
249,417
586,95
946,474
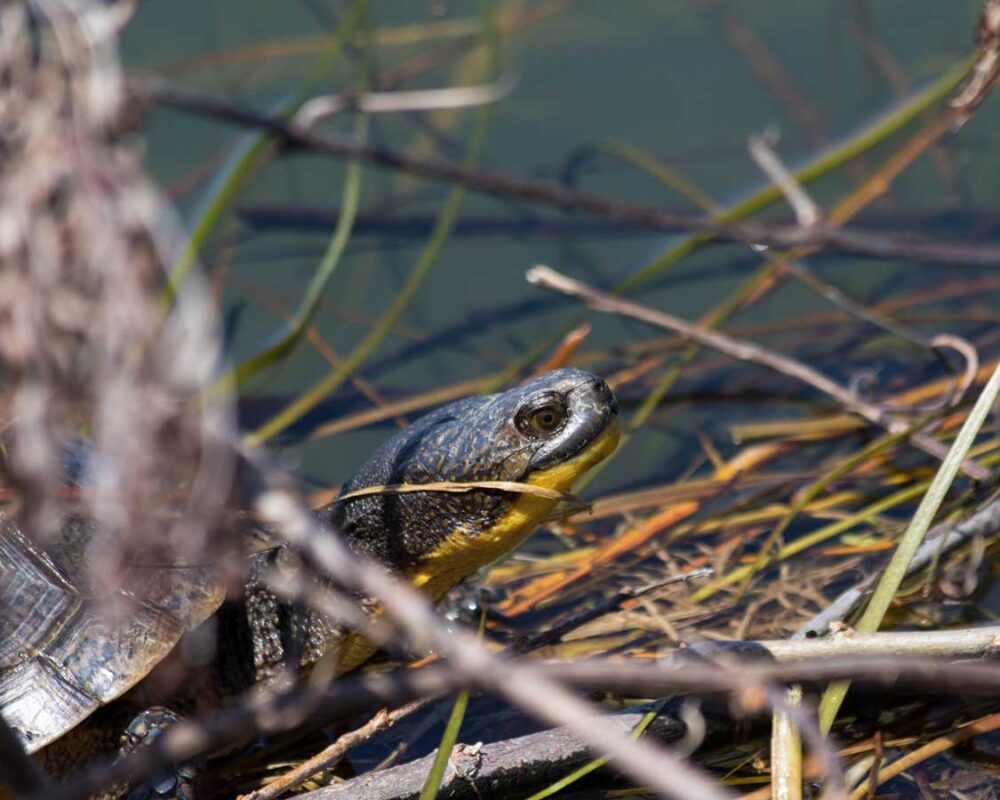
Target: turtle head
547,432
549,422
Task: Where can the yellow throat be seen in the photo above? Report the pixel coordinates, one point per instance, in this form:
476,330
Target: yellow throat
459,555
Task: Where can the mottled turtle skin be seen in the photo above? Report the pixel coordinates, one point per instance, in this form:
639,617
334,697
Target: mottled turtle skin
475,439
60,659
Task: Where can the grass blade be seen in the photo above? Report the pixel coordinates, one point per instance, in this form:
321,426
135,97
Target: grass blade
247,155
299,324
448,739
436,774
305,402
895,571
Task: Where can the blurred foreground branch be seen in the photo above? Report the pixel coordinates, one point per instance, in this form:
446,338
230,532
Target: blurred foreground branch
897,663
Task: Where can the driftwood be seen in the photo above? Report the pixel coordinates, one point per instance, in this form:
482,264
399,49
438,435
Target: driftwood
500,769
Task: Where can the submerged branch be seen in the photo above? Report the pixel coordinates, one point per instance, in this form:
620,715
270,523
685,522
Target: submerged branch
783,237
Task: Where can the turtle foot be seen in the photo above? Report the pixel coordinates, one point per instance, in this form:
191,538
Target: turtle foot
171,783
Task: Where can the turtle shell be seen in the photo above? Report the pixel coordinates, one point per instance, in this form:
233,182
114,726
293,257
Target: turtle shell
62,655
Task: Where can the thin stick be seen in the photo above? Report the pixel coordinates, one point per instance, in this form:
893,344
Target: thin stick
605,606
330,756
744,351
786,753
835,239
939,745
806,211
957,643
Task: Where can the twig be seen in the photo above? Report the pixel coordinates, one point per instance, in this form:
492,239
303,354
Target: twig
986,71
873,317
744,351
970,355
854,242
608,553
330,756
319,108
807,213
605,606
958,643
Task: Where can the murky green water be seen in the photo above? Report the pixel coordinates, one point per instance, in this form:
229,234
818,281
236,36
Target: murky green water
659,75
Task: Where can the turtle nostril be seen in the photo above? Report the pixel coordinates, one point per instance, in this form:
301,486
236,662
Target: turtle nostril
604,393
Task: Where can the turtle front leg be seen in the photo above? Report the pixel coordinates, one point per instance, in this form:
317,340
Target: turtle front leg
172,783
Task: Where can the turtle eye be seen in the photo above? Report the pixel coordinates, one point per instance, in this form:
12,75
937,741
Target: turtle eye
543,417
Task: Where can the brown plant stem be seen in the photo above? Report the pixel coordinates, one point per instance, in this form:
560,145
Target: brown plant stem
743,351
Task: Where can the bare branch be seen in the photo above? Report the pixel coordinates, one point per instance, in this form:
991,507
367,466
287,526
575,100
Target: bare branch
831,238
745,351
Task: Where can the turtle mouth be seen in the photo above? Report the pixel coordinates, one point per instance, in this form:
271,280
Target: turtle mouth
593,408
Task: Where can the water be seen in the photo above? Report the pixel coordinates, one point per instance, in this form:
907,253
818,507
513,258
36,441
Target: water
661,76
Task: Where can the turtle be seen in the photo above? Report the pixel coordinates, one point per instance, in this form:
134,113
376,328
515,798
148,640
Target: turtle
62,659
